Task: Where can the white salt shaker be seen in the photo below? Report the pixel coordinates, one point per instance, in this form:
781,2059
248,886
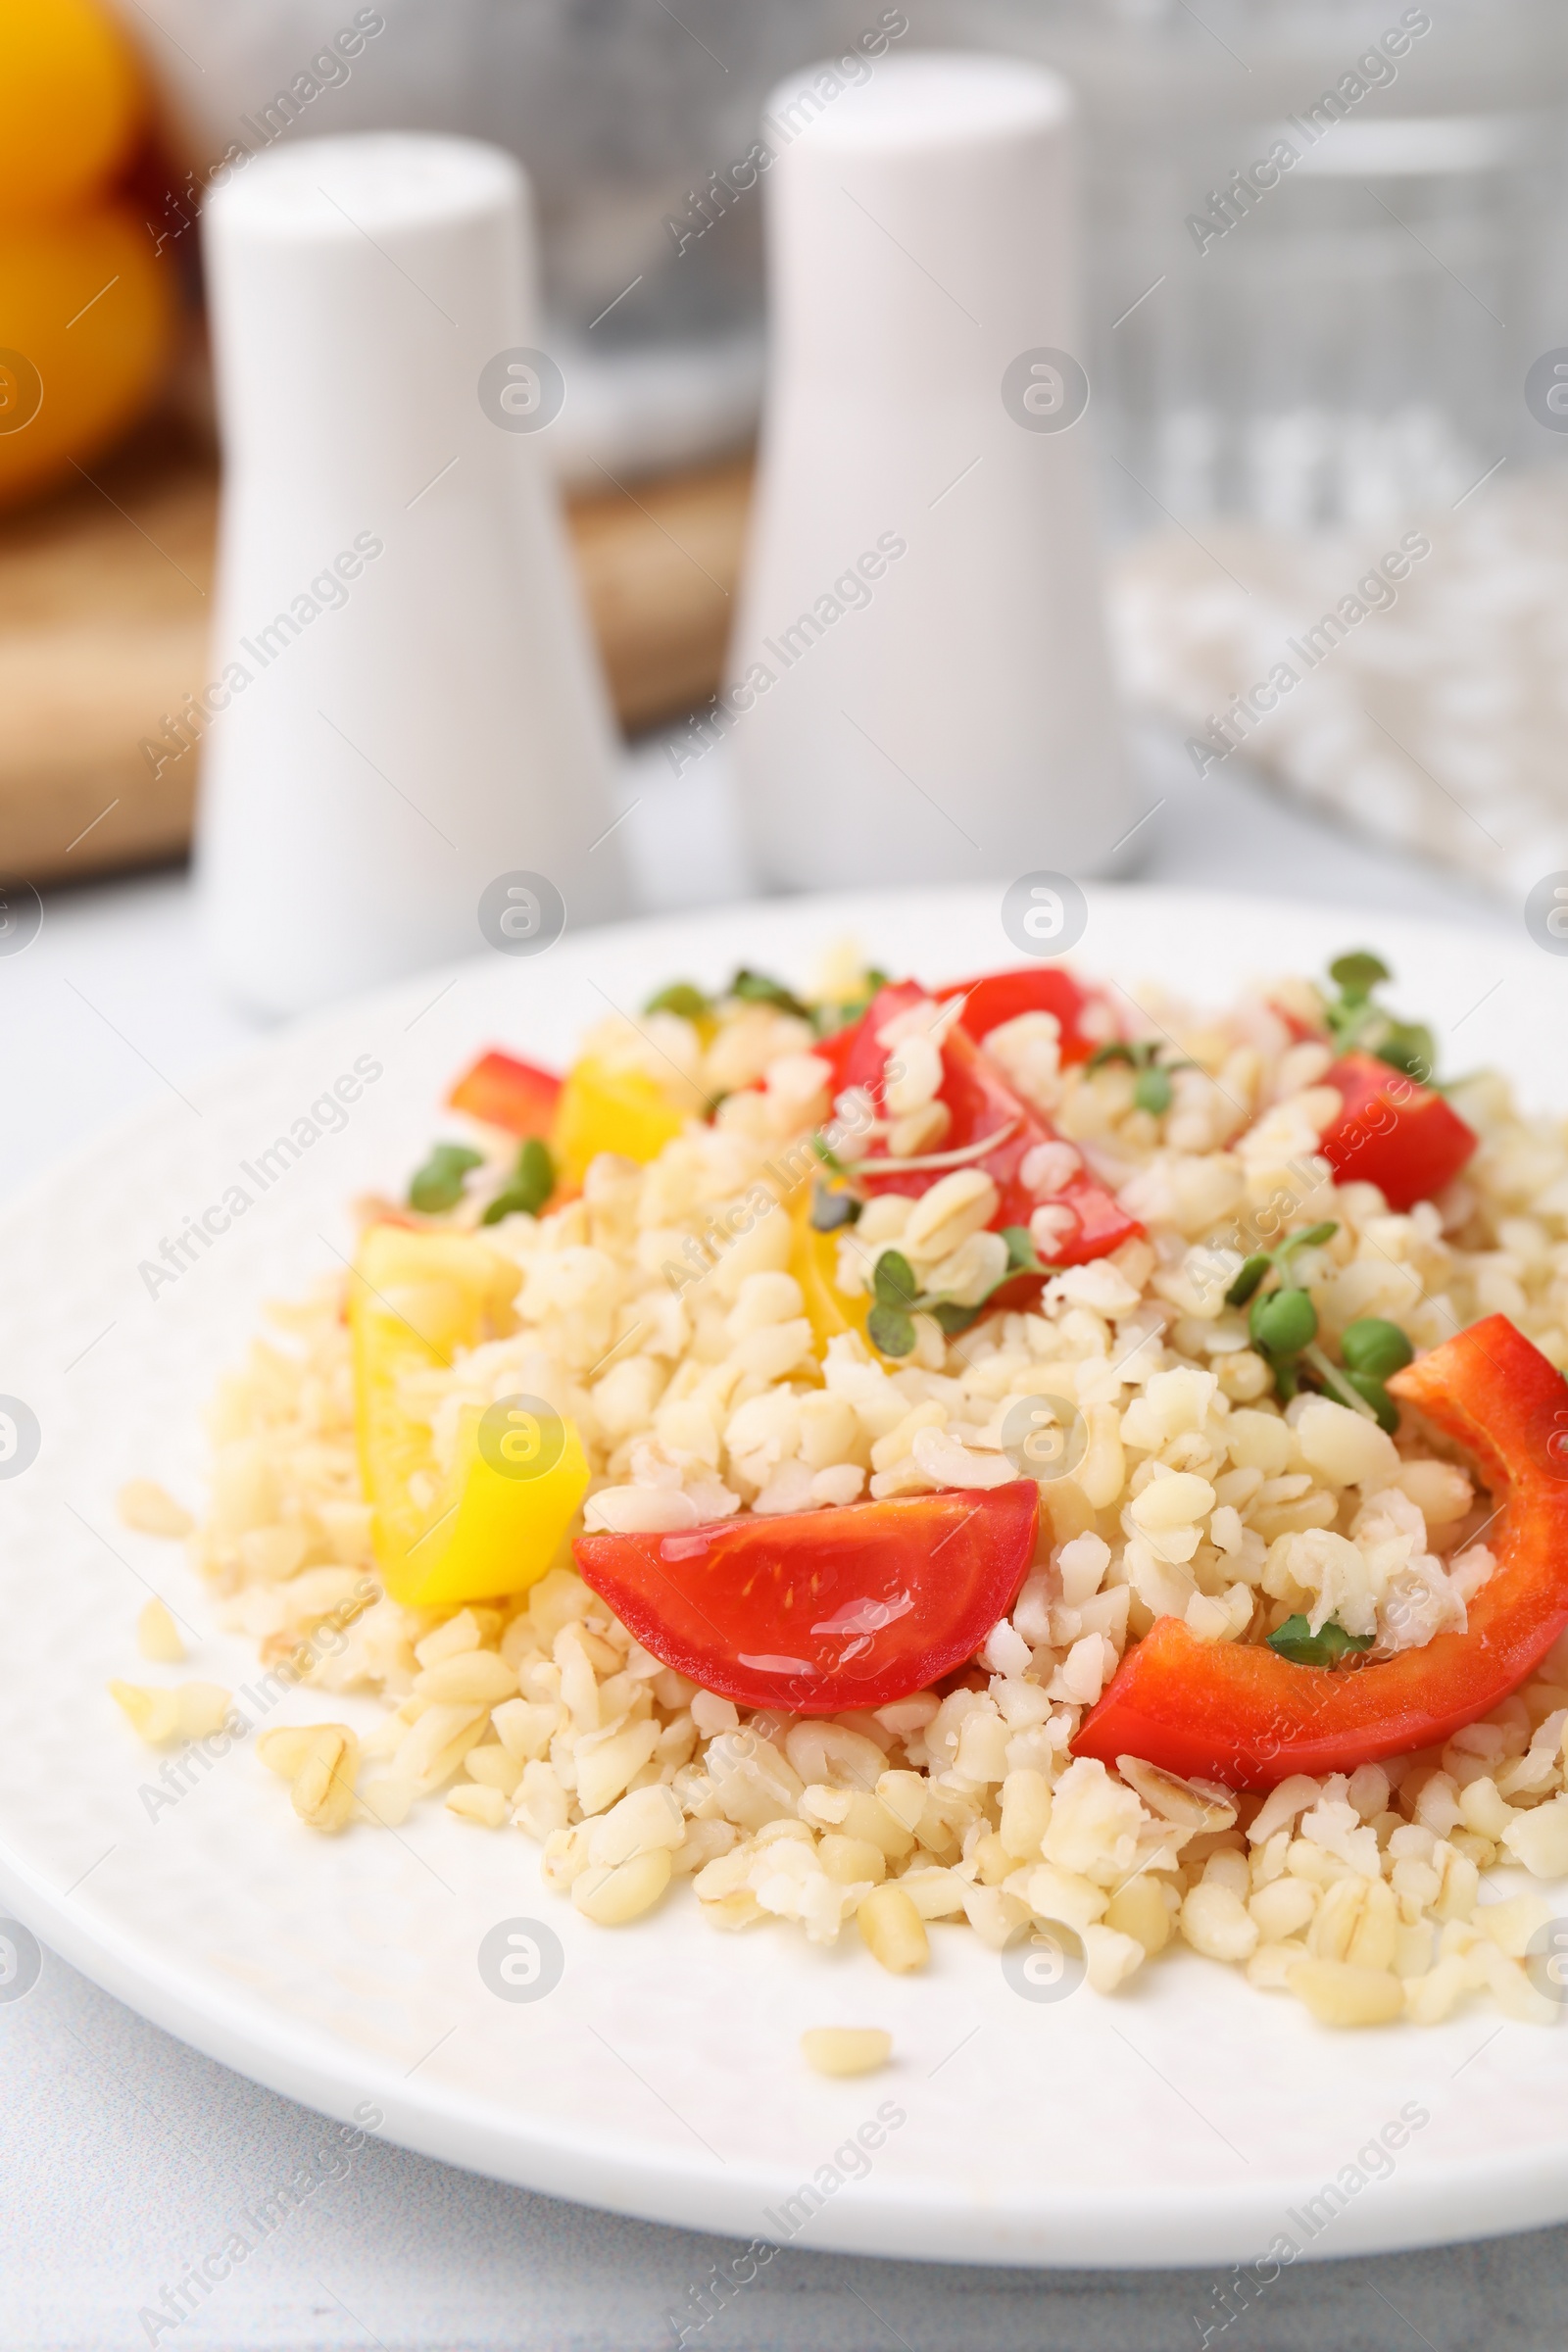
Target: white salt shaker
919,686
409,749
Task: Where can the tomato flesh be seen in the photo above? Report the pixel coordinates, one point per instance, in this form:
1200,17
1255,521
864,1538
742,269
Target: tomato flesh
507,1093
998,997
819,1611
1393,1133
1238,1713
1300,1030
980,1102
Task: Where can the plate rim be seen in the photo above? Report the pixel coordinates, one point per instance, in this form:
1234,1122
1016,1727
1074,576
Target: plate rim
299,2059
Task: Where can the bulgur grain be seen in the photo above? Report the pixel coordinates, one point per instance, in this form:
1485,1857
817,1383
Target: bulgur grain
158,1637
845,2049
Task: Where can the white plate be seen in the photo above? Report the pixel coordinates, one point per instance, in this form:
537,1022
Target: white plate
1189,2119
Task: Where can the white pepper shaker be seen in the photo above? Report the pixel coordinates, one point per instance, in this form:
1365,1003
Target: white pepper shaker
919,688
406,709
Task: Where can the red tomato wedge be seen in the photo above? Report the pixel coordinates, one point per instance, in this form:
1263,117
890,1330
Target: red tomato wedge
819,1611
981,1104
1298,1027
1241,1714
507,1093
1399,1136
998,997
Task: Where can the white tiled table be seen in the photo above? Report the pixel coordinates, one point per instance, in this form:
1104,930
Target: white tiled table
126,2155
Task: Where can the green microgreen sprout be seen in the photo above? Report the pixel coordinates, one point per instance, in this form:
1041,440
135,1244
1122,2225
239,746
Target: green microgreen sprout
832,1015
1283,1328
1152,1091
1254,1268
438,1185
898,1300
1151,1087
833,1208
1022,1256
1358,1023
1331,1645
1250,1274
894,1295
682,996
755,987
1358,974
1372,1350
829,1157
1339,1385
1375,1348
528,1187
1282,1323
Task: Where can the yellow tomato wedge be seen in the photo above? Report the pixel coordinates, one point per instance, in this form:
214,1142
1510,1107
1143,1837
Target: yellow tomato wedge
484,1526
607,1109
813,1262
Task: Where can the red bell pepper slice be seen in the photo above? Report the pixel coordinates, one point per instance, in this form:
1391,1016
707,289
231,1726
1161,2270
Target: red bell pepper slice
1238,1713
981,1103
507,1093
1394,1132
819,1611
998,997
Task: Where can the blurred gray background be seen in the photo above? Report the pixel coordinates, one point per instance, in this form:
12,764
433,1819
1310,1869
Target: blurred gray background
1355,346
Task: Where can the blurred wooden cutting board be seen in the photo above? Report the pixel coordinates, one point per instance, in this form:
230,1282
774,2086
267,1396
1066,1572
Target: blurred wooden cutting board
104,611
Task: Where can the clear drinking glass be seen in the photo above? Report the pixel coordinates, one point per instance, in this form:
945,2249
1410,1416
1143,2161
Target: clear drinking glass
1352,341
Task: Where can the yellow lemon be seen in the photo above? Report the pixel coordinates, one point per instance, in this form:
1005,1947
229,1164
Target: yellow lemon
71,102
86,322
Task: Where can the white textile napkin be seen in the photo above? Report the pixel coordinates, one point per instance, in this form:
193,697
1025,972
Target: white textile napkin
1417,673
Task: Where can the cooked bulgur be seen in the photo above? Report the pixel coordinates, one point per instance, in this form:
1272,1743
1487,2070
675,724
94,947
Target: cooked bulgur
702,1391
